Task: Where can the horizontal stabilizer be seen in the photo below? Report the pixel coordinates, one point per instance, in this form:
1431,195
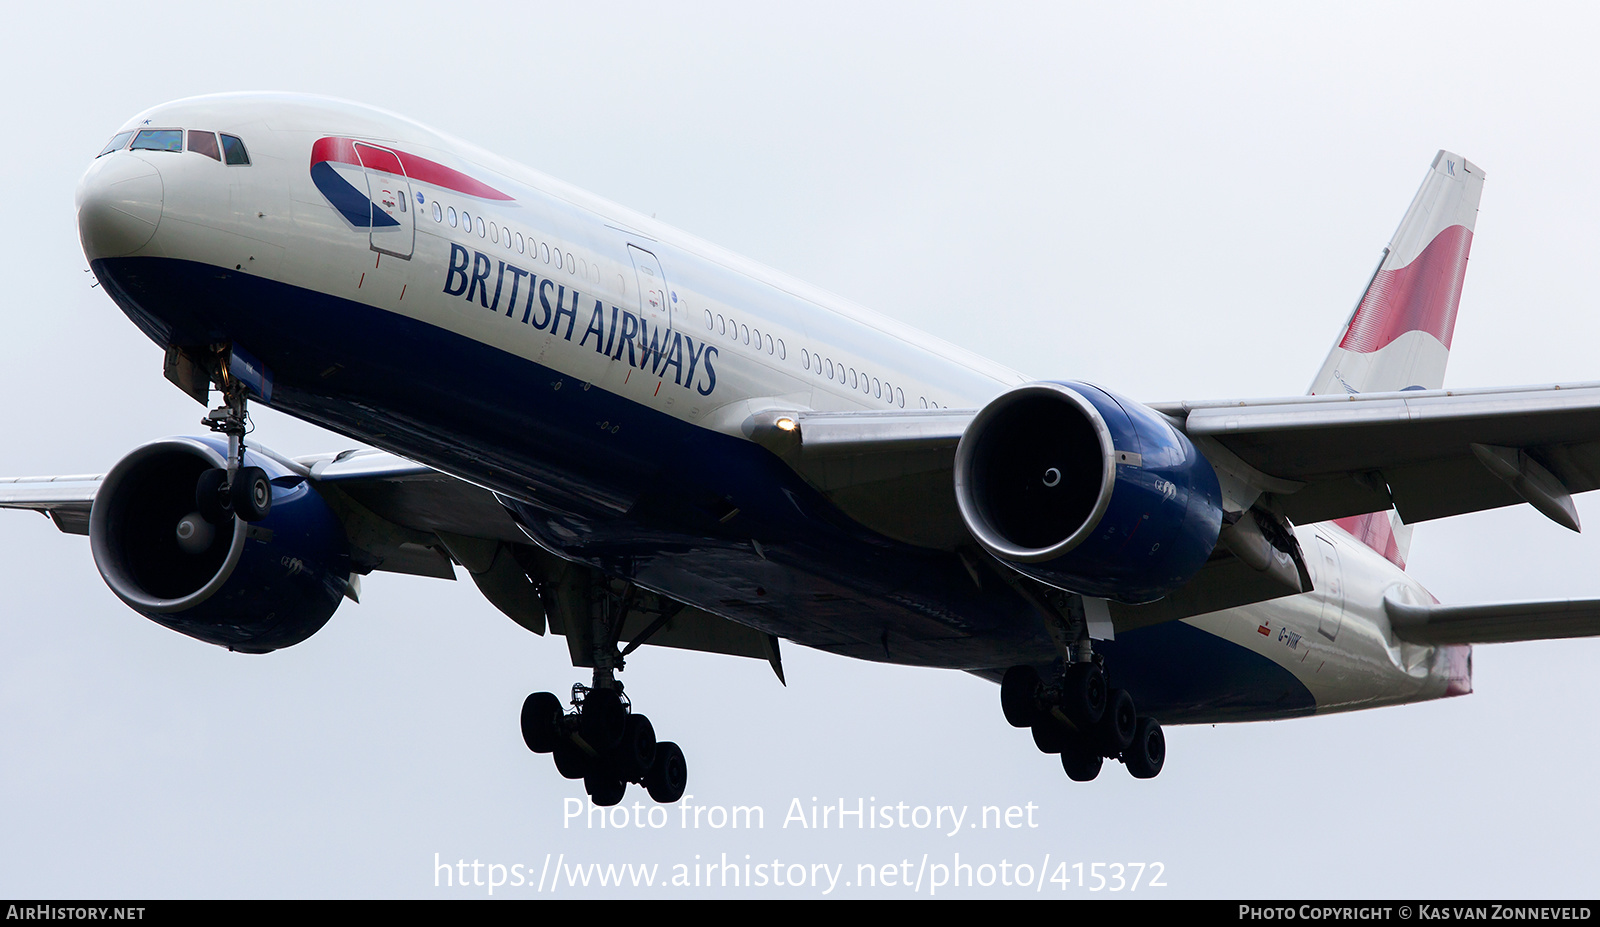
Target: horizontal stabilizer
1494,624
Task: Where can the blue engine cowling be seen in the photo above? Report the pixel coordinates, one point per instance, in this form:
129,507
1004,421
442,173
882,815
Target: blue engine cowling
1087,491
250,587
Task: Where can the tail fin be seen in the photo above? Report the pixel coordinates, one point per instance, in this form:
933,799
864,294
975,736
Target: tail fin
1398,337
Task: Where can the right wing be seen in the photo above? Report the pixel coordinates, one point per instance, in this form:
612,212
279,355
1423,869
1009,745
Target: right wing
403,517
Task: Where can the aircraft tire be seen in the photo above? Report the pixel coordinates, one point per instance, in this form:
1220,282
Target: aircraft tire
668,775
1048,734
1084,695
541,721
1149,750
210,498
602,720
633,757
604,790
250,494
1080,760
1118,725
1019,690
571,761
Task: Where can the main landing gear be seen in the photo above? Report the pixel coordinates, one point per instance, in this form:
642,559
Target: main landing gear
602,740
604,743
1079,716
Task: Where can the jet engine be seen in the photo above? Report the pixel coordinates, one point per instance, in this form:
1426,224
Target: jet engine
1087,491
251,587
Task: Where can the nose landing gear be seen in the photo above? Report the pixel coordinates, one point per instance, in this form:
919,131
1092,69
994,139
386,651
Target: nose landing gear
237,490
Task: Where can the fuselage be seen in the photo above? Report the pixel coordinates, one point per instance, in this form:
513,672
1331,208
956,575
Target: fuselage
598,370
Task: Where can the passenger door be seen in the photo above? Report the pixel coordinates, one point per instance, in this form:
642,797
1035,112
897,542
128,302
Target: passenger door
393,213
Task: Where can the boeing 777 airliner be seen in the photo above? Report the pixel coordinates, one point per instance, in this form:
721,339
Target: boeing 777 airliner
629,436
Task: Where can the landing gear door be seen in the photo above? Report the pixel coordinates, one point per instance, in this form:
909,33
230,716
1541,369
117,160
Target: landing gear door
394,229
1332,582
655,298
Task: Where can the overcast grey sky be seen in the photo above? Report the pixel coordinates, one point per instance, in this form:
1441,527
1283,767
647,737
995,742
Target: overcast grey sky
1175,201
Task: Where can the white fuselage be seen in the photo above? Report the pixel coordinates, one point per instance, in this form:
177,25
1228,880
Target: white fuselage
752,339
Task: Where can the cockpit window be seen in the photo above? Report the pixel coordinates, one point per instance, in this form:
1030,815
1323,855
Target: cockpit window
205,143
158,140
233,150
117,143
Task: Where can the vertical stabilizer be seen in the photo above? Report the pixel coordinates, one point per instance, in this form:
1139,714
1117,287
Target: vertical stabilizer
1398,337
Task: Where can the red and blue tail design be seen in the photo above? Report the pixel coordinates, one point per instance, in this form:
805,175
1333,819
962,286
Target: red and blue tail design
1398,337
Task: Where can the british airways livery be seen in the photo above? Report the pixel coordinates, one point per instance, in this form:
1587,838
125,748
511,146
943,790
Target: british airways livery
629,436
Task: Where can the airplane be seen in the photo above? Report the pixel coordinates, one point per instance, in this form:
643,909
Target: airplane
787,465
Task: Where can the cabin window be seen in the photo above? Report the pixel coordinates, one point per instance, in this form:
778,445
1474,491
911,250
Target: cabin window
711,323
158,140
494,233
520,244
117,143
782,354
451,212
481,230
233,150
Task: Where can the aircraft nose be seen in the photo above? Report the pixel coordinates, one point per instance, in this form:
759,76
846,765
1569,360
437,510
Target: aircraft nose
119,205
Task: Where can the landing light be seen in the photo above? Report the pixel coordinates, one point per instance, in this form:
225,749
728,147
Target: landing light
786,424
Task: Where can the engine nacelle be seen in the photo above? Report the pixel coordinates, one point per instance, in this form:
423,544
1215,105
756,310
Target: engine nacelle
1087,491
248,587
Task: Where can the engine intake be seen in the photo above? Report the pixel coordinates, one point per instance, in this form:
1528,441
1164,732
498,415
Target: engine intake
248,587
1087,491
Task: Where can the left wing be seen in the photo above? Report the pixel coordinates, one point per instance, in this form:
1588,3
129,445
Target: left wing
1494,624
1428,453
